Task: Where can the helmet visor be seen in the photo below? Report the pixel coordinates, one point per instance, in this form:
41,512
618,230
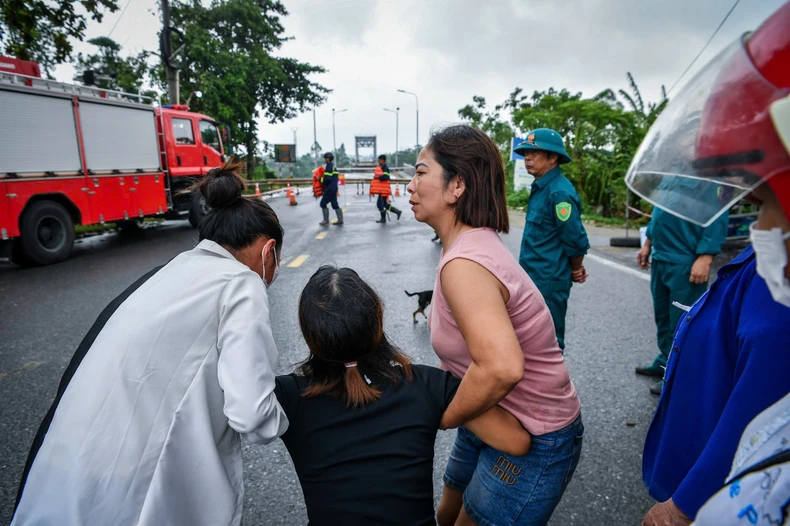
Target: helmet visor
672,168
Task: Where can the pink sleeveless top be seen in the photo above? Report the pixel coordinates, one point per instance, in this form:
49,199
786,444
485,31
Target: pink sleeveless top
545,399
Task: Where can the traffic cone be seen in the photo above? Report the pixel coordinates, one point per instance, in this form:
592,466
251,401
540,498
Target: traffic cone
397,190
257,190
291,196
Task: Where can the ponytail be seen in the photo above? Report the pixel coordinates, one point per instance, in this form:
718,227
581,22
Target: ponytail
358,393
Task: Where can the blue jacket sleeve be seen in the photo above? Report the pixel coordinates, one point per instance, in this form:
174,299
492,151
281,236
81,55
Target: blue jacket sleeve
713,236
760,380
572,234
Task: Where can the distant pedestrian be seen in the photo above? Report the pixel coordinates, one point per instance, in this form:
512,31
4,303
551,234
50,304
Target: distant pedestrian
329,186
554,241
382,187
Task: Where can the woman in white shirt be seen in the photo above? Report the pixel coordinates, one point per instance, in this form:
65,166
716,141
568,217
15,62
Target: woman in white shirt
146,425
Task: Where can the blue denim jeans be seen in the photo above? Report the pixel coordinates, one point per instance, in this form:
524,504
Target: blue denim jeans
503,490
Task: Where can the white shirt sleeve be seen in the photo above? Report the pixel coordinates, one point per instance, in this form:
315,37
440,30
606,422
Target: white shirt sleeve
247,358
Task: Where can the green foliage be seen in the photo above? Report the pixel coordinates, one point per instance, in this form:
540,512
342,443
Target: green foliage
262,171
231,58
41,30
601,136
407,156
342,160
518,199
125,74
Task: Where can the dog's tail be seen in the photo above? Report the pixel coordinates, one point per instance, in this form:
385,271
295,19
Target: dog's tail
410,293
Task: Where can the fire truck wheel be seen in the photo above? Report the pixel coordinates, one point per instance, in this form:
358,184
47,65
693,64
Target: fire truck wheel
47,233
199,209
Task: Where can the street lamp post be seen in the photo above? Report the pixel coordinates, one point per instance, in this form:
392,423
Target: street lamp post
417,102
315,139
396,111
295,157
334,147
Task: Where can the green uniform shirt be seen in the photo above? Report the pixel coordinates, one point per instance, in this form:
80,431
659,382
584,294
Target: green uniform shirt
676,240
554,232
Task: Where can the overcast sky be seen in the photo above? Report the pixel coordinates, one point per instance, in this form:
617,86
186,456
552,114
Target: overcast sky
448,51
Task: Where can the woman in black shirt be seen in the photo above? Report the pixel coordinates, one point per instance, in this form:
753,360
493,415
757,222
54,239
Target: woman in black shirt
363,419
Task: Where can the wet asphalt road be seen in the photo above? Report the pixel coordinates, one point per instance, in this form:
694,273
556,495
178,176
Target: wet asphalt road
45,312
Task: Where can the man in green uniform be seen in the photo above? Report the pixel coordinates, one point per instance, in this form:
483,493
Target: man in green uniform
554,242
682,253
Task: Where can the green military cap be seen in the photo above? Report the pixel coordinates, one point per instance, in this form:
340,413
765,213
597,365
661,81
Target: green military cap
547,140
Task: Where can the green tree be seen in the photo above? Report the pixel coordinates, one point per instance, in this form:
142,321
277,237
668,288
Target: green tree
123,74
42,30
230,58
407,156
341,157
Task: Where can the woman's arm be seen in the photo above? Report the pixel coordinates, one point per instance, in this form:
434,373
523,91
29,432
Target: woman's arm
477,300
502,431
247,358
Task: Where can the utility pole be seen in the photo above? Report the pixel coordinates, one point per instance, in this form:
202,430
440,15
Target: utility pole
166,48
334,146
417,103
396,111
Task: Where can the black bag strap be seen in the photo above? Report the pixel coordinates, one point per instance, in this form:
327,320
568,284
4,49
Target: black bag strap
778,458
75,362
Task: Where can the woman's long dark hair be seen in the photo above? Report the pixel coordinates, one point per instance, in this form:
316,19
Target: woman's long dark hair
342,321
234,221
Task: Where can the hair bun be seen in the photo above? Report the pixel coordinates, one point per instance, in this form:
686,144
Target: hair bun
223,186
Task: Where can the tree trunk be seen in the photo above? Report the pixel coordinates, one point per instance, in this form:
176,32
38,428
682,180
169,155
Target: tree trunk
250,157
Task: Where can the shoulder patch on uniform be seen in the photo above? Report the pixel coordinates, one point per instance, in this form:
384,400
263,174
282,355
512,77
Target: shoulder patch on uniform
564,210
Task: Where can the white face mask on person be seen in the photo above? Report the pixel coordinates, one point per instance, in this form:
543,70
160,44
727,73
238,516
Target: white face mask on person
771,255
276,266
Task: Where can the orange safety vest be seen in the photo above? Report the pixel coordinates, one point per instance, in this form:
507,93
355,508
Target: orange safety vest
318,189
378,187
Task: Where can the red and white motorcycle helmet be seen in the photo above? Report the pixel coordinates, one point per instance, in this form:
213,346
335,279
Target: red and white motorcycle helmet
725,133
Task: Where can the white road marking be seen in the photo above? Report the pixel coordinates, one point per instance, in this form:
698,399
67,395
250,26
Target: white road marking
609,263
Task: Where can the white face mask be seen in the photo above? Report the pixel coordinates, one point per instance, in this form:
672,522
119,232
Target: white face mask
276,267
769,249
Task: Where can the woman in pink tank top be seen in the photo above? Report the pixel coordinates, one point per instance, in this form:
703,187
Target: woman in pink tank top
491,328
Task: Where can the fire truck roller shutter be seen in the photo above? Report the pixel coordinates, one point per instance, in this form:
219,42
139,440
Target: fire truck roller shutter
118,137
37,134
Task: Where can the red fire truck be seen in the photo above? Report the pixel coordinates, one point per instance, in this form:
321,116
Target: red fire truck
76,155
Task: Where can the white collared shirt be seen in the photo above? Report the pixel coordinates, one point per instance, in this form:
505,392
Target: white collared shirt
147,431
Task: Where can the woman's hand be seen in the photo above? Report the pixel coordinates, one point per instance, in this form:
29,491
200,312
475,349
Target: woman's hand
666,514
502,431
478,301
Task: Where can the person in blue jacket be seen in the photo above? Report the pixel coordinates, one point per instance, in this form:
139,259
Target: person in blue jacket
554,242
682,253
329,183
730,358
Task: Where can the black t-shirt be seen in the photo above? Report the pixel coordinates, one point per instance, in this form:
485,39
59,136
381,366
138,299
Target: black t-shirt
371,465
